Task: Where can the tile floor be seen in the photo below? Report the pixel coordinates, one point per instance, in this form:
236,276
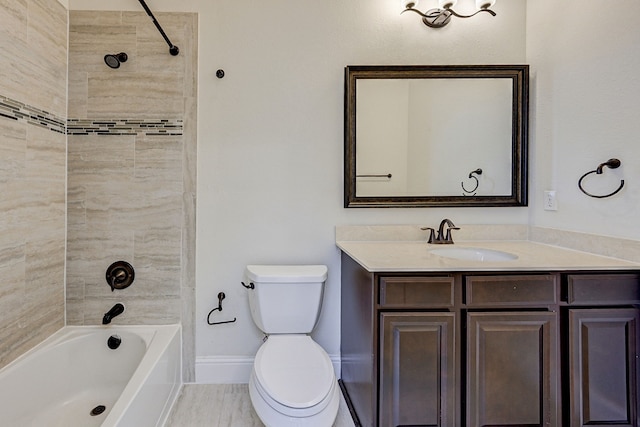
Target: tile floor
225,405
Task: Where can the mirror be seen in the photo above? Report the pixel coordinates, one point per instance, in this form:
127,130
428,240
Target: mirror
441,135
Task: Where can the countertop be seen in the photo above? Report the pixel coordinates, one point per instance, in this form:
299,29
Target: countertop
415,256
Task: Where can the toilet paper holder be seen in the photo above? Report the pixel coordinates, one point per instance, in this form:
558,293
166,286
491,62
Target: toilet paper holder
221,296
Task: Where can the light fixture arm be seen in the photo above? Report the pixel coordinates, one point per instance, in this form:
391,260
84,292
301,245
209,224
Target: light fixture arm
410,9
454,13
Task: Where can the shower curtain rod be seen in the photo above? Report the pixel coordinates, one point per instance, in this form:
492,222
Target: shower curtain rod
173,49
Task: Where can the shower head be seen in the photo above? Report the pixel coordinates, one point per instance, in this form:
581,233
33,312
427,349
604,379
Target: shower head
113,61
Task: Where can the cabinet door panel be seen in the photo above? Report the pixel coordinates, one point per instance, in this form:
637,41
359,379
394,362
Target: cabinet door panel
417,369
603,366
512,369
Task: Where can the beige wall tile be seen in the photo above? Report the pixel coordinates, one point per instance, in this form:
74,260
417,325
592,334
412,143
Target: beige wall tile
127,193
88,44
13,21
48,31
79,92
13,150
34,34
32,175
141,95
12,271
90,17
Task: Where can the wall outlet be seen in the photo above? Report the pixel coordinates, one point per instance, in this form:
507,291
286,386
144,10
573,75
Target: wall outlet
549,201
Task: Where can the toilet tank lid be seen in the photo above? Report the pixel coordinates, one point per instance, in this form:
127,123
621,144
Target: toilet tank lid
287,273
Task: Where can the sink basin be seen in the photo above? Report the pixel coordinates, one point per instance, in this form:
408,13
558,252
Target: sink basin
474,254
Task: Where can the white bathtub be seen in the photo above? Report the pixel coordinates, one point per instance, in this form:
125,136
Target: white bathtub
60,382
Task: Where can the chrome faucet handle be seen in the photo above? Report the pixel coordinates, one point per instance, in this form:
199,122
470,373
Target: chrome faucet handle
432,235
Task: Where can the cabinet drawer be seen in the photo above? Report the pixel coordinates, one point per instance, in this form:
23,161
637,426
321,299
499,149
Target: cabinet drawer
512,290
416,291
595,289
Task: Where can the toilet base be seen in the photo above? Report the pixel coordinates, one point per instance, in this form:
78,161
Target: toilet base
271,417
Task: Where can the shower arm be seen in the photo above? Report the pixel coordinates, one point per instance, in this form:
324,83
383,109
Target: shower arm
173,49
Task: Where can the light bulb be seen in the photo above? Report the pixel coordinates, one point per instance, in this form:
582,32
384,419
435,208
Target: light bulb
446,4
406,4
485,4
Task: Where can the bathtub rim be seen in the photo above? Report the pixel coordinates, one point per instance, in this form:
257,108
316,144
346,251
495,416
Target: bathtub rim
61,334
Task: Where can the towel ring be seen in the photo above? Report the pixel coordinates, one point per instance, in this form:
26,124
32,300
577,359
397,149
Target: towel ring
471,175
612,164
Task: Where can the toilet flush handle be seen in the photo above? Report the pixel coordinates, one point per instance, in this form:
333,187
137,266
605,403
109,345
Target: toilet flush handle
249,286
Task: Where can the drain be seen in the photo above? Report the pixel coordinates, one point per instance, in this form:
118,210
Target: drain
114,342
97,410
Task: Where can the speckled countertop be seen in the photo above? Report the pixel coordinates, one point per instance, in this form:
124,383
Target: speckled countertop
413,254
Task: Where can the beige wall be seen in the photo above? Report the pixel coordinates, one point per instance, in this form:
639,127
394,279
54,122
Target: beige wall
584,63
33,69
131,186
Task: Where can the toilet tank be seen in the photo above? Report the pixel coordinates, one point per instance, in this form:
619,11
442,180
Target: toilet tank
286,299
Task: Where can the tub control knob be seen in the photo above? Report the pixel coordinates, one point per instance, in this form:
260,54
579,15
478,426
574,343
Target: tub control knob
120,275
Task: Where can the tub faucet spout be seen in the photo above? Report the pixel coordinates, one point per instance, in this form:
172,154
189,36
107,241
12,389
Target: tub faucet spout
116,310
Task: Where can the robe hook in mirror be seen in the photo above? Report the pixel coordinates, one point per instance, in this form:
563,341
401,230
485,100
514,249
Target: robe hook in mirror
612,164
472,174
221,296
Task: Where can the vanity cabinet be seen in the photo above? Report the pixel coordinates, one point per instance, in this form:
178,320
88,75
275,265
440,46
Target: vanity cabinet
603,350
490,348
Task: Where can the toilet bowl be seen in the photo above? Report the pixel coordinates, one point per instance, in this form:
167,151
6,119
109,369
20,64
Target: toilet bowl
292,382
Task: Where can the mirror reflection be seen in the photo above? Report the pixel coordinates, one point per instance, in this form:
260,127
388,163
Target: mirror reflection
435,135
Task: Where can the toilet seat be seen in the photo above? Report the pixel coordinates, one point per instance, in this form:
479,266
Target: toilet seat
294,375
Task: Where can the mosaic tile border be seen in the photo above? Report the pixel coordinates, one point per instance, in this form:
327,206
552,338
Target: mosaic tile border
16,110
124,127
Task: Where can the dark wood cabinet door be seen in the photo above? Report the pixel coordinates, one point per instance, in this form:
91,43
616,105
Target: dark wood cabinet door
417,369
512,372
603,366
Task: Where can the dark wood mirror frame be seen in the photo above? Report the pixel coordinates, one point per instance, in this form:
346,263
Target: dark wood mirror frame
519,75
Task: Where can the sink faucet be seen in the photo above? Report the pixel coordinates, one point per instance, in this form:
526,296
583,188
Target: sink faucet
116,310
444,236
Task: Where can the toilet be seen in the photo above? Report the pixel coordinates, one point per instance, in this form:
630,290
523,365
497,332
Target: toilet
292,381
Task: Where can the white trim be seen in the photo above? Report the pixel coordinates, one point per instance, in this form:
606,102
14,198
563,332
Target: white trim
234,369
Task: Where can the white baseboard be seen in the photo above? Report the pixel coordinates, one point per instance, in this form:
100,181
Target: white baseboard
234,369
223,369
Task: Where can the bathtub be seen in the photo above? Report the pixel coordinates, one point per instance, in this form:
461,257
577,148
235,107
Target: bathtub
73,378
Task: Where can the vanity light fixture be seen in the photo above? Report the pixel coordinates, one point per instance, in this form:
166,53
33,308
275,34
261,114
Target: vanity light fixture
439,17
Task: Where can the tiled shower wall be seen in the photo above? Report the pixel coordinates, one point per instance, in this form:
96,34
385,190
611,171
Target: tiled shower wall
131,169
33,82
